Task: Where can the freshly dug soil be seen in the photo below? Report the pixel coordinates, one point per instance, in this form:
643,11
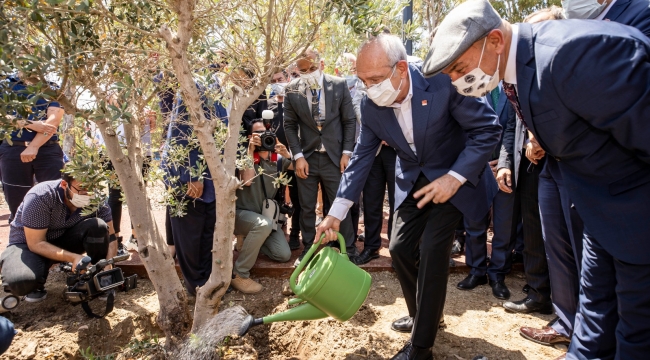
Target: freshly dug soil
476,324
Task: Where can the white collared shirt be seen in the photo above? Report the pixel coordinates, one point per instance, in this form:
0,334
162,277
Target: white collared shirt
510,75
321,110
604,13
404,115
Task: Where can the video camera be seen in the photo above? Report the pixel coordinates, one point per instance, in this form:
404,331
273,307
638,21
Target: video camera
267,138
285,210
95,282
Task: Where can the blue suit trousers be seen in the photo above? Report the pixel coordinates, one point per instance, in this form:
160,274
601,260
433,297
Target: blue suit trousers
613,319
562,229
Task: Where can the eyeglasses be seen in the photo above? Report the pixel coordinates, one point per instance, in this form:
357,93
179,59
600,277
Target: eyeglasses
377,82
79,191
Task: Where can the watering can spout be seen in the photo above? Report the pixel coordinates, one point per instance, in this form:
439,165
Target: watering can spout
299,313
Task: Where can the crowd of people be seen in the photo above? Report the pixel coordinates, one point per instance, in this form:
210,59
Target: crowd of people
533,129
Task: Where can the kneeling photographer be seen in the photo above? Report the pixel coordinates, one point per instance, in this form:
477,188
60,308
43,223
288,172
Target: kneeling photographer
257,214
49,228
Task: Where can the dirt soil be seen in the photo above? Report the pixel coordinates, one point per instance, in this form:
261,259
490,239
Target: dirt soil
476,324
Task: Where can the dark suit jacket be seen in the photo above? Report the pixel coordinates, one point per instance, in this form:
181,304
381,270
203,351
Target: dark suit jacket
300,128
584,90
451,132
278,120
254,111
505,112
635,13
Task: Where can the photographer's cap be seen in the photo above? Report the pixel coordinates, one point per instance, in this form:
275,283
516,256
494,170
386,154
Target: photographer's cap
462,27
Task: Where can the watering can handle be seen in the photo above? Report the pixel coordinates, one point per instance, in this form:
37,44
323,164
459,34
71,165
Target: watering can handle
293,283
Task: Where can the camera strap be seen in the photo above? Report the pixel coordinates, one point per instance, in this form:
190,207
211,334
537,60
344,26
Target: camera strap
110,302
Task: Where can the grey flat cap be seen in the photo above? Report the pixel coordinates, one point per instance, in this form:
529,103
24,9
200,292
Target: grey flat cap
462,27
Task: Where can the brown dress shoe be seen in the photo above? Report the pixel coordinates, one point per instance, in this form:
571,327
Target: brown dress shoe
545,336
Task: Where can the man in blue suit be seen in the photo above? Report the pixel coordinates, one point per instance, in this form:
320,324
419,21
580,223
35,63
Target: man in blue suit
443,143
505,225
581,88
635,13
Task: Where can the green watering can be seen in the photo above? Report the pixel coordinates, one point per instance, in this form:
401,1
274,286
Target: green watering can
330,286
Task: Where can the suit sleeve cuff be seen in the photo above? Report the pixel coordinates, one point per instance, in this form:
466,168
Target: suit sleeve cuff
348,153
298,156
458,176
340,208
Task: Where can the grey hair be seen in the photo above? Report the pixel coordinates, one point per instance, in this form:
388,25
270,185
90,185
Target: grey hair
554,13
391,44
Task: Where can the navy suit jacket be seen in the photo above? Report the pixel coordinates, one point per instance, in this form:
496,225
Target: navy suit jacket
635,13
451,132
505,112
584,90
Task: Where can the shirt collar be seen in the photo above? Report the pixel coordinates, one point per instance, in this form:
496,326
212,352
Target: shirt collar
604,13
510,75
408,97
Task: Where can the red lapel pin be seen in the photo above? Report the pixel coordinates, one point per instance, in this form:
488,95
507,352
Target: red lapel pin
424,103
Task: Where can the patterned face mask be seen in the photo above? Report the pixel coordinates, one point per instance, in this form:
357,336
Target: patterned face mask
477,83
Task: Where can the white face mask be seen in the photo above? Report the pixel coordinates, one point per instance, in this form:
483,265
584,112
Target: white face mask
351,80
311,78
278,88
583,9
384,94
79,201
477,83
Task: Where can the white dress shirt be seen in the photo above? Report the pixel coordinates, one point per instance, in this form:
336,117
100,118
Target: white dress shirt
604,13
321,110
404,115
510,74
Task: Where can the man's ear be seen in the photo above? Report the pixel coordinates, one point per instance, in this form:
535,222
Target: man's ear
64,184
496,39
403,67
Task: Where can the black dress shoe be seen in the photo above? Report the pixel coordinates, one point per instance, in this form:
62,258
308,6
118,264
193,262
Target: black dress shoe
410,352
517,258
472,281
500,290
525,289
294,242
528,305
365,256
361,237
404,324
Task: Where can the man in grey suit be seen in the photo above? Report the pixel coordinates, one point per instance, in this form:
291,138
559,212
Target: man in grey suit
319,122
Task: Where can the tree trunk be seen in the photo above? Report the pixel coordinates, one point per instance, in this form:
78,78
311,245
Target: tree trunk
68,136
174,318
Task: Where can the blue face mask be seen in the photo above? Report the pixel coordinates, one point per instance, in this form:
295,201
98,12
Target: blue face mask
351,80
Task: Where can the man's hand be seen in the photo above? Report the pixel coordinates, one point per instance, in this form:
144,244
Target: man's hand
534,152
302,168
504,179
282,150
329,226
345,160
41,127
493,166
253,143
76,260
29,154
439,191
195,189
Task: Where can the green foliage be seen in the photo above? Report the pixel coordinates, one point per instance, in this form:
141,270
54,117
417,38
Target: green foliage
87,167
88,354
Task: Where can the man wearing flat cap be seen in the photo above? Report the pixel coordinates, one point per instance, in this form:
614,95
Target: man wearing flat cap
443,143
582,89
